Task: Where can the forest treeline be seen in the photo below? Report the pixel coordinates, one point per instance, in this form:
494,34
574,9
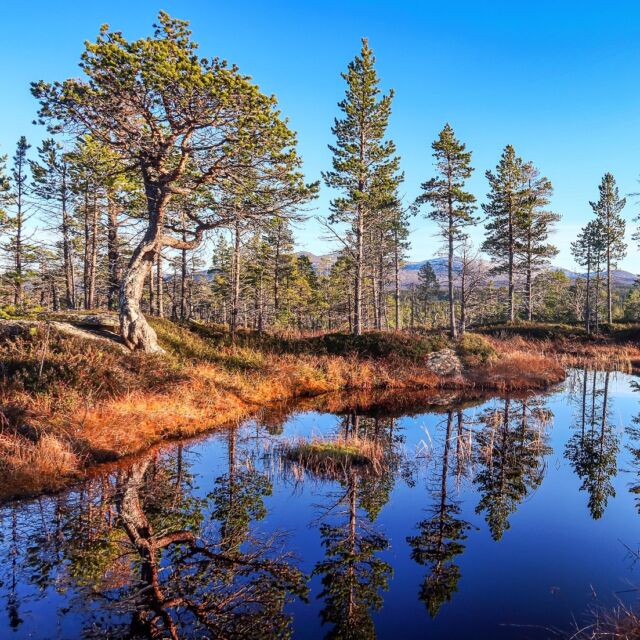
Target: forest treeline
168,184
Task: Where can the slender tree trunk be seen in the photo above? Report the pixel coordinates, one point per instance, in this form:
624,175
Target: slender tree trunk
93,257
512,311
396,295
453,329
159,284
235,282
463,300
183,281
67,258
113,253
18,291
597,300
357,292
152,292
587,314
529,283
609,302
276,277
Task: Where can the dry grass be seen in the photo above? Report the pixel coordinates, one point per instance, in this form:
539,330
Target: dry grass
331,458
519,366
619,623
98,404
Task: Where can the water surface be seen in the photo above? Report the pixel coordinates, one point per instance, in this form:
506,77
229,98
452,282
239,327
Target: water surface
502,518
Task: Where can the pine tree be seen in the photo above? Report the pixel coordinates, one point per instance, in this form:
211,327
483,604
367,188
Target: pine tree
589,251
364,163
17,247
451,206
52,184
537,222
428,288
607,210
505,209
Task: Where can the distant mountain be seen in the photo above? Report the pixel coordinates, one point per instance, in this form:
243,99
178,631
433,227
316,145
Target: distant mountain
619,277
409,272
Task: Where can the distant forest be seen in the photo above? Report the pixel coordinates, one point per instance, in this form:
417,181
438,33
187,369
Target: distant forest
167,184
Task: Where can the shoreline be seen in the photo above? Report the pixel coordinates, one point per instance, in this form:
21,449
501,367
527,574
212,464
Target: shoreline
68,404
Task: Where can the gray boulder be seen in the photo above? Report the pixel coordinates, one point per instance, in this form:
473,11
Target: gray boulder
444,363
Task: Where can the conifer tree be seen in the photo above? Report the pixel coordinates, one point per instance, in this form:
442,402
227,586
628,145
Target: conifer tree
52,184
365,166
504,210
428,288
183,125
17,246
589,251
607,210
451,207
537,222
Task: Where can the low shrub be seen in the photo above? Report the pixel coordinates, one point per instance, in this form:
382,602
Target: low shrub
475,348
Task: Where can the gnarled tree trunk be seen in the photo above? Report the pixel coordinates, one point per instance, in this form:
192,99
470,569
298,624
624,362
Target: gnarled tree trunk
134,328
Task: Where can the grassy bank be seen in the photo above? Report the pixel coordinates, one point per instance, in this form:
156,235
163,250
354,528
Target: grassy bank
68,403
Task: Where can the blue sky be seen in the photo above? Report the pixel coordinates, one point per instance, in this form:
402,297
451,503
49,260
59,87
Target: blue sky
558,80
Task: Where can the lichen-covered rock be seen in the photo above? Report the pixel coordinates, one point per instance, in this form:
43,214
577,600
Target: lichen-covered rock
444,363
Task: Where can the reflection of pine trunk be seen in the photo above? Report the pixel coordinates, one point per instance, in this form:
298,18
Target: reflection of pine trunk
148,546
584,406
353,515
443,491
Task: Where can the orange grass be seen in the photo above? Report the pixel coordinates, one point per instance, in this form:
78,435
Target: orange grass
66,404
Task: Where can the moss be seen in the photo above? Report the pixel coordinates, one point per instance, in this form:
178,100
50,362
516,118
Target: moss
475,348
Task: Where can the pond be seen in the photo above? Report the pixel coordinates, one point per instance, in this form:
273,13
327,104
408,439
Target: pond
508,517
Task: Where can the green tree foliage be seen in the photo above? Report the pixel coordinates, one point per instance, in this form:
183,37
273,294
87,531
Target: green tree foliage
18,247
506,201
536,224
184,125
607,210
428,289
450,206
365,165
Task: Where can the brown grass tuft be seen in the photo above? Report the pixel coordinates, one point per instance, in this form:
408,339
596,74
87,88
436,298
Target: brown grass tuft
331,458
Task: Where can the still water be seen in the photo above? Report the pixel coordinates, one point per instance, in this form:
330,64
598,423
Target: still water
500,518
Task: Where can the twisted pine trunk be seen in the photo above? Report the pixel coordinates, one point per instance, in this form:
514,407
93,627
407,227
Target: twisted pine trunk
136,332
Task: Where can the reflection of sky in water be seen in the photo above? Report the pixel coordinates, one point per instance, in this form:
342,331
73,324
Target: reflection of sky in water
550,560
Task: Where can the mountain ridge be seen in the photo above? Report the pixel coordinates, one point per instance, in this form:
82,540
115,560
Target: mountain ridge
409,271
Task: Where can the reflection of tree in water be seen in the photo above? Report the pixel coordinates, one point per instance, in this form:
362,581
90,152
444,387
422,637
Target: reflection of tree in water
633,436
140,544
593,448
440,538
510,450
237,499
353,576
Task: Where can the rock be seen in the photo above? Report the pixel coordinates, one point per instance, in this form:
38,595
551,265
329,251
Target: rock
444,363
101,320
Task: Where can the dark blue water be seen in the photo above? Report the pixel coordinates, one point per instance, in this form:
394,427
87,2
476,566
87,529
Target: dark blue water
501,518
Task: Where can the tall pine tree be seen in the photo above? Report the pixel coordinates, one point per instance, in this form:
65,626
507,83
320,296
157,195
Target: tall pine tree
537,223
364,163
607,210
451,207
504,209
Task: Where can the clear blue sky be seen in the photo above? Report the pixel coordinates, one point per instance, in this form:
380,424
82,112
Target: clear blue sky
559,80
